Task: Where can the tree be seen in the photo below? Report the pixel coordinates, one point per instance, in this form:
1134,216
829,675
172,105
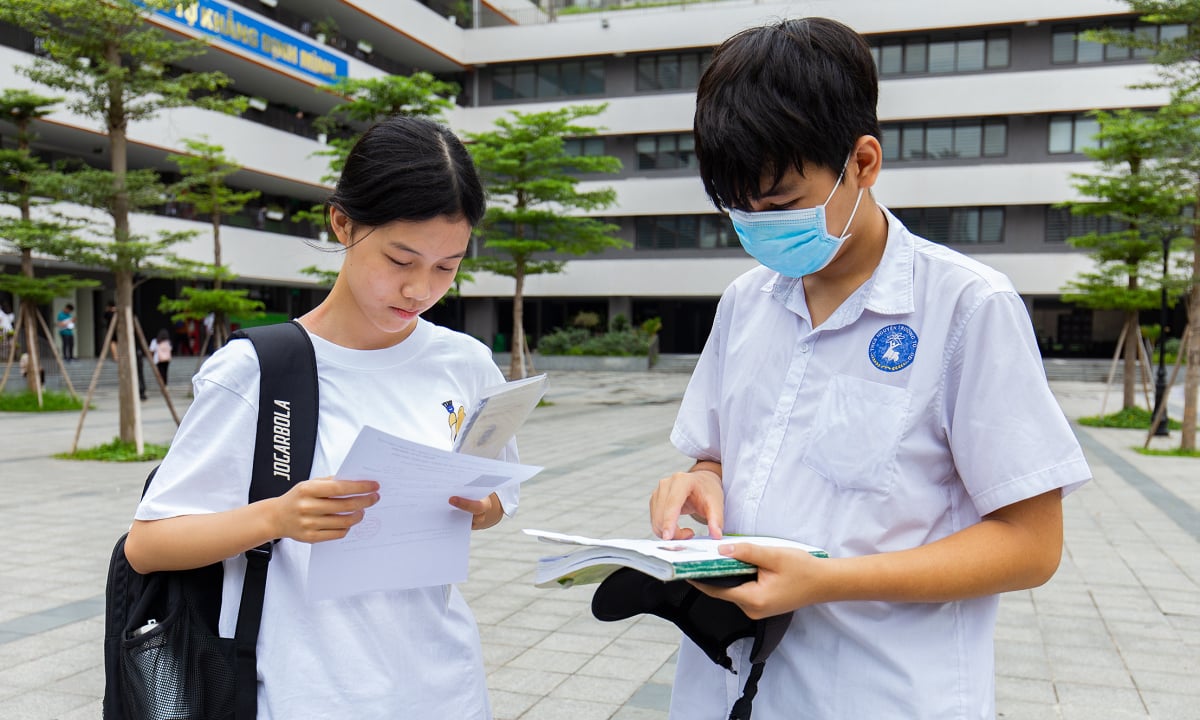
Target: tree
203,186
530,177
27,177
113,65
368,101
1177,60
1146,202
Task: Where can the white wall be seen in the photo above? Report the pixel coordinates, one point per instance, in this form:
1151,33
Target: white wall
1001,184
710,23
258,148
252,254
1073,89
1042,274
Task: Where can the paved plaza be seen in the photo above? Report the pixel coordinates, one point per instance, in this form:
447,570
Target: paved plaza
1115,634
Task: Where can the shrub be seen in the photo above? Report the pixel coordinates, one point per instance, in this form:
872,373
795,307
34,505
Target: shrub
621,341
586,320
561,340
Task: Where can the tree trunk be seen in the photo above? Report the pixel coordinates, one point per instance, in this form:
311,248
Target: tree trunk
516,367
127,358
33,371
220,319
216,223
1133,338
34,377
127,391
1191,377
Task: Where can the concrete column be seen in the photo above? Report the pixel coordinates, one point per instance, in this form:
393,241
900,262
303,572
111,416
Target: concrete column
620,306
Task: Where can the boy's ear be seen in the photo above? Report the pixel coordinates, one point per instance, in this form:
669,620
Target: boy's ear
867,160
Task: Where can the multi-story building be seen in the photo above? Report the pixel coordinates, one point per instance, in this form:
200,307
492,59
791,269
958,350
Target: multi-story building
983,106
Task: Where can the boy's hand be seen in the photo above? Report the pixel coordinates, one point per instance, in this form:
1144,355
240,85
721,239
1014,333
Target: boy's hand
484,513
322,509
697,493
787,579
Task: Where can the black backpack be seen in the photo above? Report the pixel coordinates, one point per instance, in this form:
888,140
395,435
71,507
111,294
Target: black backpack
163,658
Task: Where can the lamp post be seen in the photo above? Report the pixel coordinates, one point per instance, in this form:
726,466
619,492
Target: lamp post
1160,379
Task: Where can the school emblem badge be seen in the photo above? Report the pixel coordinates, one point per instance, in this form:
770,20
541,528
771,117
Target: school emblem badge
893,348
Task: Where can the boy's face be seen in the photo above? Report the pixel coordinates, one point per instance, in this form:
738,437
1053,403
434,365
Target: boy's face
796,191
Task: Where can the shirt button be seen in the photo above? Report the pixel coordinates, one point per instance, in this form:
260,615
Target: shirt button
803,347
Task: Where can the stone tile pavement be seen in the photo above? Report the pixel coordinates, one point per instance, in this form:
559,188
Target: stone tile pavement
1116,633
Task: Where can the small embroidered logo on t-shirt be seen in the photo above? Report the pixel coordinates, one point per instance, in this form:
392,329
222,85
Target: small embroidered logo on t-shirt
893,348
456,418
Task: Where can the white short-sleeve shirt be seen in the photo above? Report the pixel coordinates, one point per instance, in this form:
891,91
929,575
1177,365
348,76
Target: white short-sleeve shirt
919,406
386,655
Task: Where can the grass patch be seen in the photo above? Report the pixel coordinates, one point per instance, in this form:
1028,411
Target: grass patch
27,402
1134,418
1176,452
117,451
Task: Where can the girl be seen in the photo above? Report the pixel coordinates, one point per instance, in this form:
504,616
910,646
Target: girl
403,209
160,350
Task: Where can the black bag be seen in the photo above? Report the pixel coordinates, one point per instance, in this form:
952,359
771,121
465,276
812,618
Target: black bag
163,658
710,623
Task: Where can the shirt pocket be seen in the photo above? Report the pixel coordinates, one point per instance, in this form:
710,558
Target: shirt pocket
857,432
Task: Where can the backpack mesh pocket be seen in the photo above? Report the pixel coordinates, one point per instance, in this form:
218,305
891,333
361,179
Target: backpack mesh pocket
179,670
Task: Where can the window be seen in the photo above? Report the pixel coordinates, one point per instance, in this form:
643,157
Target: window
665,152
936,140
955,226
671,71
1062,224
1068,48
918,55
585,146
671,232
549,79
1073,134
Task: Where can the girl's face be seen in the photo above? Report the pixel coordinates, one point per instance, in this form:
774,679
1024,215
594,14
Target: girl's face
392,274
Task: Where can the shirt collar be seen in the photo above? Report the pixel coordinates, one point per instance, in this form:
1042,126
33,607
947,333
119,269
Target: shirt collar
891,286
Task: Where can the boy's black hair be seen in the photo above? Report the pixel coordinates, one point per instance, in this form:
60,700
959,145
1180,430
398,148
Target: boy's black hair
410,169
781,96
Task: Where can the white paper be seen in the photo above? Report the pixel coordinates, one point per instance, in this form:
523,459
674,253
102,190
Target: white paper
498,413
412,537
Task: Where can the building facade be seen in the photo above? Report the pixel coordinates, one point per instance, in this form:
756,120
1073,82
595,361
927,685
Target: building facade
983,107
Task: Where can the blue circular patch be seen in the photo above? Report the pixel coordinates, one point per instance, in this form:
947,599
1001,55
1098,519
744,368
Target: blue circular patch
893,348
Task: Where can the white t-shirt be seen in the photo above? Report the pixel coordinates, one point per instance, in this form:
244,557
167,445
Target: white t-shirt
412,653
919,406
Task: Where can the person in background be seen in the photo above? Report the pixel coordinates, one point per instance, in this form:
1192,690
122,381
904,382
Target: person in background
160,351
863,390
7,320
110,313
66,331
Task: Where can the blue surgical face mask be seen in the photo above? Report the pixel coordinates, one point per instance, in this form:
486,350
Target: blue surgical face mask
793,243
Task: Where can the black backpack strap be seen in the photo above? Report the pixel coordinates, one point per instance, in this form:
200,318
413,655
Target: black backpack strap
283,454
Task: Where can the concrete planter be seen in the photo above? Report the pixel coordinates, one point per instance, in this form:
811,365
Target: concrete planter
576,363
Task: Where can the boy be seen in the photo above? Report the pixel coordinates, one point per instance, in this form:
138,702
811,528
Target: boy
66,331
865,391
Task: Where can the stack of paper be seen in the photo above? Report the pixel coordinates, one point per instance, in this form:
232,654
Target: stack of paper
593,559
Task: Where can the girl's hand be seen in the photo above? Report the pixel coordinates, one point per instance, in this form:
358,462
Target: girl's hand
697,493
484,513
322,509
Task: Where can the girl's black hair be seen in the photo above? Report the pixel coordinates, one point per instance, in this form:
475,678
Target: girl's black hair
410,169
777,97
